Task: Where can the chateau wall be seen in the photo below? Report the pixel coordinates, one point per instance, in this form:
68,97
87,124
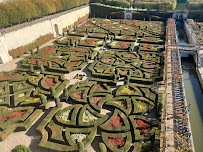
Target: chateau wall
23,34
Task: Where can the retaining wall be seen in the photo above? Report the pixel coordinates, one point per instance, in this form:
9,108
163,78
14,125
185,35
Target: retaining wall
200,75
23,34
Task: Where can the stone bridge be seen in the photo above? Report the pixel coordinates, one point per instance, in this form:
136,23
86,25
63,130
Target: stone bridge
188,48
180,14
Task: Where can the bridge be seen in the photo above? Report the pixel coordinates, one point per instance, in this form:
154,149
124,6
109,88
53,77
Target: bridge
188,48
180,14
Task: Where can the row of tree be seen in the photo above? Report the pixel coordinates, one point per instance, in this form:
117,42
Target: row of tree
18,11
119,3
194,5
144,4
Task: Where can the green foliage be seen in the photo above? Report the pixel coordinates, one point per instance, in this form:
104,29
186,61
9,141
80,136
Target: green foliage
163,5
21,148
81,146
21,50
194,5
43,98
102,147
18,11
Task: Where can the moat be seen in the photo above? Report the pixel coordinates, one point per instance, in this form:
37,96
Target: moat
194,93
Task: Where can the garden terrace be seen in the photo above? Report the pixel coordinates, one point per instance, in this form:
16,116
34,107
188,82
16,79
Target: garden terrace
81,121
21,99
98,109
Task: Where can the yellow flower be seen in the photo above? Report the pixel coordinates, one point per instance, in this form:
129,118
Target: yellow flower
142,105
127,90
121,103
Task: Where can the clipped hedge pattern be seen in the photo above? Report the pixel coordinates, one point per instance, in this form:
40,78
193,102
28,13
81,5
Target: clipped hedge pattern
127,125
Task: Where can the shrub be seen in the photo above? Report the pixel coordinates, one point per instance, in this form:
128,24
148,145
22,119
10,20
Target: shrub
21,148
18,11
21,50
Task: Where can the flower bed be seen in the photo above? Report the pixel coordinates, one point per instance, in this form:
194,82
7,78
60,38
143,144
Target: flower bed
143,126
49,82
10,76
48,50
11,116
117,122
97,99
118,142
79,94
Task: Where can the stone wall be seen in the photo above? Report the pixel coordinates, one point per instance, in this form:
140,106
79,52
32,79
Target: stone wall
23,34
200,75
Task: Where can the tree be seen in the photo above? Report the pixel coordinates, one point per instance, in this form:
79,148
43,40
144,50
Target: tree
21,148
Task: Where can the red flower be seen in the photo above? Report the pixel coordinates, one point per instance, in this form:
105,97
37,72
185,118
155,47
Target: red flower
130,55
11,116
72,63
73,38
107,60
97,99
143,126
92,40
10,76
78,94
79,58
48,50
100,88
49,82
123,72
117,122
58,61
41,62
118,142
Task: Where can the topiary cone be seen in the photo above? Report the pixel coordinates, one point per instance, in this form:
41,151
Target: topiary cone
53,91
57,101
65,91
31,51
81,147
102,147
32,68
42,68
38,63
43,99
49,64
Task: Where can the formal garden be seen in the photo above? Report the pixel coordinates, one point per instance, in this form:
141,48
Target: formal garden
112,107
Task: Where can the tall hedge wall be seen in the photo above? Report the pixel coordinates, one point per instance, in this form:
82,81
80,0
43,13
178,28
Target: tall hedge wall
155,4
119,3
195,4
18,11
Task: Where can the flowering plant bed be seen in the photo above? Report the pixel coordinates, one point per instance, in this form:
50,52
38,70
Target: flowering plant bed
91,43
97,35
149,47
120,45
14,75
126,38
21,118
151,40
78,33
117,115
116,130
111,63
68,40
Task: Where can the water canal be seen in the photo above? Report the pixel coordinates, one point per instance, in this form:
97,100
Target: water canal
194,93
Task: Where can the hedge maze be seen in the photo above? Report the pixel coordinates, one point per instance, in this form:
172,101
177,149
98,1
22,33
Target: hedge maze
115,103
